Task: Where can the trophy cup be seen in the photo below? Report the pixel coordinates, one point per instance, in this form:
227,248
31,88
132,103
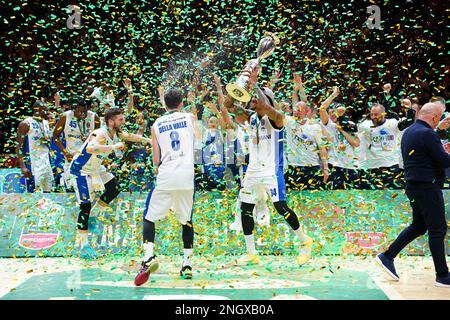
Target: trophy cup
239,90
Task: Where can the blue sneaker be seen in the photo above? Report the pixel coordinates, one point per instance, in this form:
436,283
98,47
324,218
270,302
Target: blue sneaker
87,252
388,266
443,282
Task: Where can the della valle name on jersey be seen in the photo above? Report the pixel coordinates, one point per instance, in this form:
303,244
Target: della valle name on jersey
170,126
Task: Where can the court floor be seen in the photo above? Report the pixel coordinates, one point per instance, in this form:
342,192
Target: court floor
277,277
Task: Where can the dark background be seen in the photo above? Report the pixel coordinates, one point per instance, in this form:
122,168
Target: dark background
161,42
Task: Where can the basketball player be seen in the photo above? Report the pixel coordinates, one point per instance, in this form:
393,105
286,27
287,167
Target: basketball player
265,168
33,153
72,130
91,175
173,160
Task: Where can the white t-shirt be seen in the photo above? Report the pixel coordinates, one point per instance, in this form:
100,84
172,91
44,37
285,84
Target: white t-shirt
175,136
379,145
341,153
303,142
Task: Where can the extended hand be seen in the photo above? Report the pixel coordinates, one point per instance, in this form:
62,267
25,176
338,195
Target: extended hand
447,147
119,146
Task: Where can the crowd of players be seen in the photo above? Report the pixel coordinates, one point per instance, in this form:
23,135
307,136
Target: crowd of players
325,149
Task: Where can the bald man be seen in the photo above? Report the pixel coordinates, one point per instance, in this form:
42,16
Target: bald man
379,157
425,160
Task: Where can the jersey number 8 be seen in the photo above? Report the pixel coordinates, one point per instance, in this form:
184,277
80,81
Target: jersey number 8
175,138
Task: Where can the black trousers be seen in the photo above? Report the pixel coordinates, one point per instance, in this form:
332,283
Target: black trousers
304,178
342,178
428,212
382,178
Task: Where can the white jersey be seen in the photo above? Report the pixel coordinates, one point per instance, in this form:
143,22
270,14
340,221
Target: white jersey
85,163
379,145
175,135
76,131
265,148
303,142
213,147
236,145
36,151
341,153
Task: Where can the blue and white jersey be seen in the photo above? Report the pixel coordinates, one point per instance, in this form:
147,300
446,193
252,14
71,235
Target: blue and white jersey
213,149
265,148
36,147
85,163
175,136
76,131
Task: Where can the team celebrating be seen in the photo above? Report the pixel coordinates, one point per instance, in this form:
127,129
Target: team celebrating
266,147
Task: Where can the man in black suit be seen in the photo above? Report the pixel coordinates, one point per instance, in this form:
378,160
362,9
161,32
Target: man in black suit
425,160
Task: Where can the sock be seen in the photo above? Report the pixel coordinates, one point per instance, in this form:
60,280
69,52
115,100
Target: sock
83,236
300,234
250,243
148,250
187,255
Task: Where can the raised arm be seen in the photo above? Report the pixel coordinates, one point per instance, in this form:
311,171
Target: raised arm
57,101
216,112
227,118
409,120
240,114
298,87
131,137
129,87
263,104
274,79
219,89
352,139
323,112
197,132
161,96
97,145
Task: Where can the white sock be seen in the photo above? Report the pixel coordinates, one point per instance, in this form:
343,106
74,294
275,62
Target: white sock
148,250
300,234
250,244
187,254
83,236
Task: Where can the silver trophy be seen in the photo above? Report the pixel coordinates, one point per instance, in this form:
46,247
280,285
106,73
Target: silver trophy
239,89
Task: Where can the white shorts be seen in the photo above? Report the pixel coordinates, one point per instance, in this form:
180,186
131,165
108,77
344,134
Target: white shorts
68,178
253,188
87,184
160,201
